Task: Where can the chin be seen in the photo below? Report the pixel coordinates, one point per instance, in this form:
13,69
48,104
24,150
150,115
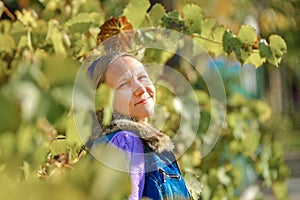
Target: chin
144,114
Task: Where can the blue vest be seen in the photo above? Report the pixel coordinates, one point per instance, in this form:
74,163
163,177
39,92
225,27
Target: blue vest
163,179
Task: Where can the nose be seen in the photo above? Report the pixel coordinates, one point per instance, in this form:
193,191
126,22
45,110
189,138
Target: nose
139,90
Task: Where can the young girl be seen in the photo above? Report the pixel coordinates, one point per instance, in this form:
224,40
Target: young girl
153,168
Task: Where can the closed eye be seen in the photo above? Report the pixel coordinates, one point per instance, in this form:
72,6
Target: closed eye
122,84
143,77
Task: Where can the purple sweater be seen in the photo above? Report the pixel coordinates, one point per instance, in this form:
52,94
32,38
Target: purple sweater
133,146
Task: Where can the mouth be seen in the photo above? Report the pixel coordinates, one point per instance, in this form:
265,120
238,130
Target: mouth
143,101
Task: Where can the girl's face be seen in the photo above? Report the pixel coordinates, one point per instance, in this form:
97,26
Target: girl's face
134,92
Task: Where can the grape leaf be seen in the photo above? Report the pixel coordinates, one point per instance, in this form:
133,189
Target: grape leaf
173,20
17,31
59,70
59,146
255,59
278,46
207,26
10,117
265,52
247,35
193,17
55,37
7,43
136,11
156,13
122,31
80,23
230,42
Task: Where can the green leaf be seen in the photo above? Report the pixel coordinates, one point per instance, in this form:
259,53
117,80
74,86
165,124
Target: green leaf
255,59
104,100
250,143
80,23
278,46
39,33
207,26
241,54
216,35
223,177
193,17
156,13
173,20
235,147
229,41
5,26
265,52
280,189
193,184
9,115
55,36
50,108
7,42
17,31
63,94
59,146
263,110
247,34
59,70
136,11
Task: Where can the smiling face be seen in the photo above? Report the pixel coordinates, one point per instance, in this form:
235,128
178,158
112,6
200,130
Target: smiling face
134,92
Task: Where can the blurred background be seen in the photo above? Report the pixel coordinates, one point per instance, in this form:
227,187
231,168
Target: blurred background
279,87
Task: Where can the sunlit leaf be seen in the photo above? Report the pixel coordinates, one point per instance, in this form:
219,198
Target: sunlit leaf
278,46
247,35
223,177
5,26
55,36
266,52
193,17
136,11
59,146
280,189
250,143
18,30
80,23
263,110
59,70
207,26
119,30
193,184
7,43
155,14
255,59
10,114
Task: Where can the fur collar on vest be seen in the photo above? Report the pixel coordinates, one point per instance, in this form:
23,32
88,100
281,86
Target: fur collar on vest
154,138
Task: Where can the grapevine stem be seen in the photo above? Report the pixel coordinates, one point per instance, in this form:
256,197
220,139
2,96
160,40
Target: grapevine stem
9,14
149,19
207,39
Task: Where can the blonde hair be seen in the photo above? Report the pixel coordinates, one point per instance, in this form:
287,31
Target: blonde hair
98,68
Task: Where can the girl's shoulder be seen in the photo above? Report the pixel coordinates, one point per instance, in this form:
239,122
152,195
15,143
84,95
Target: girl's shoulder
126,140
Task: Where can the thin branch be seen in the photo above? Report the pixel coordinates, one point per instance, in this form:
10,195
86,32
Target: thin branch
207,39
8,13
149,19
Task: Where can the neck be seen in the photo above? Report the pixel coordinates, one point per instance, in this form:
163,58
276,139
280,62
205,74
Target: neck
144,120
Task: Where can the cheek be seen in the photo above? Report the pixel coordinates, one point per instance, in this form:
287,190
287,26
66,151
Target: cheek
152,91
122,98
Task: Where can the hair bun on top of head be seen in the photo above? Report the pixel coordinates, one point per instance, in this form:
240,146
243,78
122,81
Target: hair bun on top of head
98,67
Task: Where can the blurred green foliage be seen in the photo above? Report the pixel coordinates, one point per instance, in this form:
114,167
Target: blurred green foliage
40,149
